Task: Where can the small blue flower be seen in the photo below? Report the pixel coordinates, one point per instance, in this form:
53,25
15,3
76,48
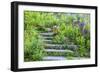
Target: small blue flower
81,24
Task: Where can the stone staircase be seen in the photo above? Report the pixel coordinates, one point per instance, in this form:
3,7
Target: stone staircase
50,47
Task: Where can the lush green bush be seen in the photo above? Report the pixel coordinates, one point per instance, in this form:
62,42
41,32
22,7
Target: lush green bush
60,36
33,46
66,33
69,34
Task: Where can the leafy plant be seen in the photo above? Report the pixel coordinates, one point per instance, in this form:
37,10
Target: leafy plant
33,45
36,22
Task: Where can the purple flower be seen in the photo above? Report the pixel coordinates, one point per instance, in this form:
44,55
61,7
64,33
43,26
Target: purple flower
81,24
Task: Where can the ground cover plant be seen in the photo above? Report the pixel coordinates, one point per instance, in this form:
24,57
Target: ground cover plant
56,36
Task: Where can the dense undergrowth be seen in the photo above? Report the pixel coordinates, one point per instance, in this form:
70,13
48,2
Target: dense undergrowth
66,32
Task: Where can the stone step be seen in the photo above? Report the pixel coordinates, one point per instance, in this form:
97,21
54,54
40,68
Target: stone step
47,34
61,46
53,58
49,29
72,47
55,50
54,46
48,41
47,38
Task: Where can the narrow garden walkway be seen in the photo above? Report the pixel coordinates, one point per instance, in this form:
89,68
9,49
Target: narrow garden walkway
50,47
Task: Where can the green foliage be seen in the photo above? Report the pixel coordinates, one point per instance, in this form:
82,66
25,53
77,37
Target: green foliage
33,45
66,33
60,37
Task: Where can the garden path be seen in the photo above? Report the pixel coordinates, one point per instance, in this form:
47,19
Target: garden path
54,48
